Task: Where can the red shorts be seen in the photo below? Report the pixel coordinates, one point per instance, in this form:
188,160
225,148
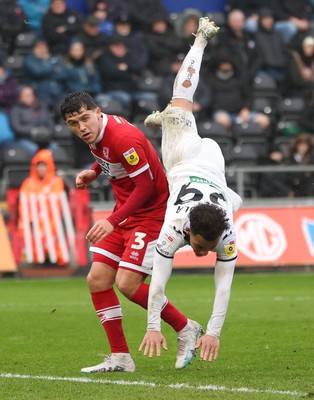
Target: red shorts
129,247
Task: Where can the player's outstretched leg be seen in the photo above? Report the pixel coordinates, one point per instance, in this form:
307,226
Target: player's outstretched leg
187,340
185,88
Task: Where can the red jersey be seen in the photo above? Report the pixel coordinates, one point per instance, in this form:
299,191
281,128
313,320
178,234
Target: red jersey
123,152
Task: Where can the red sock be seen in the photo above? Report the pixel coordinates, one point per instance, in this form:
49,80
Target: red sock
169,314
109,312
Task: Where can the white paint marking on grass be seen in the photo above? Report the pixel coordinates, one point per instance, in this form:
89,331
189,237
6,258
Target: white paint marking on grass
214,388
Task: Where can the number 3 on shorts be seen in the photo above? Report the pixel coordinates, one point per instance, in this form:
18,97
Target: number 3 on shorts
139,242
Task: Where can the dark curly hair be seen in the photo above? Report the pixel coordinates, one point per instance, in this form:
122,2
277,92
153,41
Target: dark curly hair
208,220
74,101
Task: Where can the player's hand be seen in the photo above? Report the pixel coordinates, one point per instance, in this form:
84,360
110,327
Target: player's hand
209,347
153,340
84,178
99,231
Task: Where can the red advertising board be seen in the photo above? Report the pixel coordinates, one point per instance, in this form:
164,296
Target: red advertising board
266,237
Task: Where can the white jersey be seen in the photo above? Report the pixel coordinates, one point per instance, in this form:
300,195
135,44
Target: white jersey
195,170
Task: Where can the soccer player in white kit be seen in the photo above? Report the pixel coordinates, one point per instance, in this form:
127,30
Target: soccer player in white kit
199,210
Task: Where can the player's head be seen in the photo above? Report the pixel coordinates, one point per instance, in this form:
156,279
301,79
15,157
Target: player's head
207,223
82,116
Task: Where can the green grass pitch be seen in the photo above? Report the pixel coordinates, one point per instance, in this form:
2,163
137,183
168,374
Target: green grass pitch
49,330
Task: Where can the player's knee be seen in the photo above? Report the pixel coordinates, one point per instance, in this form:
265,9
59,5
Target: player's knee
96,284
128,284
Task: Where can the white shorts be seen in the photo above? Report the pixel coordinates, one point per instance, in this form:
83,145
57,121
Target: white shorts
185,153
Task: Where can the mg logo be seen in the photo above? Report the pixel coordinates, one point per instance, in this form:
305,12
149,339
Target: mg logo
260,237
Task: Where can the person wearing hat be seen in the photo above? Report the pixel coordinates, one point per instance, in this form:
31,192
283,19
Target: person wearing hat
120,73
138,49
271,48
231,97
94,39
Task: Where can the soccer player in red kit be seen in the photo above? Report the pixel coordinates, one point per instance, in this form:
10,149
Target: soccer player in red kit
123,244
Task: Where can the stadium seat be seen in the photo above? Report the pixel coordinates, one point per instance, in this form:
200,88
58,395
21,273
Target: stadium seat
61,158
113,107
212,130
264,105
62,133
15,162
15,63
150,82
248,133
24,42
146,106
290,108
265,86
242,155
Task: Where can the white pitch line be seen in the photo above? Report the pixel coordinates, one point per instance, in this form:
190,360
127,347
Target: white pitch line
214,388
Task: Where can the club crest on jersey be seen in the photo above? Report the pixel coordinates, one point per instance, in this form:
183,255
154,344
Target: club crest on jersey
230,249
131,157
105,152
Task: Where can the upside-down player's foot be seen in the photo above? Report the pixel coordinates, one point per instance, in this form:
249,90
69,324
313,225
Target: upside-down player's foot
187,340
115,362
155,118
206,28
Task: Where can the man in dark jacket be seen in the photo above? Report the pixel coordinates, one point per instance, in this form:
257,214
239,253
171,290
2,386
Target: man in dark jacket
59,26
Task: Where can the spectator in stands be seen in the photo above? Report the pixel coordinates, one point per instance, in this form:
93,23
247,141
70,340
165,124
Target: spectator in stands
113,8
143,13
186,25
8,88
300,70
106,25
301,152
120,74
162,43
59,26
135,40
31,121
45,73
202,97
43,181
275,183
94,40
11,23
82,74
294,12
34,10
271,48
7,136
239,43
252,8
231,99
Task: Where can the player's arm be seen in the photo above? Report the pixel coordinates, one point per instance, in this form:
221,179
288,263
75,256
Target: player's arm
209,343
144,186
153,339
168,243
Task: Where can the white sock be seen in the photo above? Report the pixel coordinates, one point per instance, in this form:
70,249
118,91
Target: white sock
187,78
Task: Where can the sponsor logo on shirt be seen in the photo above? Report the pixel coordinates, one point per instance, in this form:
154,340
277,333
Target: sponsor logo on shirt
131,156
230,249
203,180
